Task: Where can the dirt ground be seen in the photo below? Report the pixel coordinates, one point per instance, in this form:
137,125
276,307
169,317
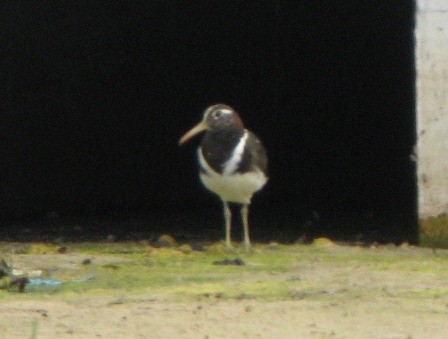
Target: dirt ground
350,298
382,317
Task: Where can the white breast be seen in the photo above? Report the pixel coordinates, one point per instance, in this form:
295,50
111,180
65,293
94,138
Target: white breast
236,187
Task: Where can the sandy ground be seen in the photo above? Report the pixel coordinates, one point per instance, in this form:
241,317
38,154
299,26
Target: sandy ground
344,301
382,317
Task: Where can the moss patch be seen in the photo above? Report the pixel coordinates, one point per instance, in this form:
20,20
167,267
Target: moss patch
434,232
136,269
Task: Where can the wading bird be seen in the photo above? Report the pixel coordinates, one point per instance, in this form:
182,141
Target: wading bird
232,162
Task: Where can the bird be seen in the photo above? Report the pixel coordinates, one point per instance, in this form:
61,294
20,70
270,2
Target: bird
233,163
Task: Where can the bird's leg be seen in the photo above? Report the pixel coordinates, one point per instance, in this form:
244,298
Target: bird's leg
228,222
245,219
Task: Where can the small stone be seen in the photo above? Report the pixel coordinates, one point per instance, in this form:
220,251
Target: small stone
220,295
303,239
273,245
374,244
299,295
197,247
185,249
20,282
245,296
165,240
62,249
239,262
111,238
234,262
323,242
111,266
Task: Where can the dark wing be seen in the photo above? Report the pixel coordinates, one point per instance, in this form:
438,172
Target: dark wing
254,156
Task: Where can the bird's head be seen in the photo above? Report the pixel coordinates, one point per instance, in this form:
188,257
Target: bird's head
216,117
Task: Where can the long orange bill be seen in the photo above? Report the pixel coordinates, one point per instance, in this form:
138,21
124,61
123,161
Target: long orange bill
191,133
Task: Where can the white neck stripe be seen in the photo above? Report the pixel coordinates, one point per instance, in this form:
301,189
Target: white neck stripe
231,165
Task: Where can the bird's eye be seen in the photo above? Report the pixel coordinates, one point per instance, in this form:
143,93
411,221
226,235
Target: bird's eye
216,114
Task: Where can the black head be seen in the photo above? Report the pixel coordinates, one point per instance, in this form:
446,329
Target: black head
216,118
221,116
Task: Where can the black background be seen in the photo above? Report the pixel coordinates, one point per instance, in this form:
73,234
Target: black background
95,95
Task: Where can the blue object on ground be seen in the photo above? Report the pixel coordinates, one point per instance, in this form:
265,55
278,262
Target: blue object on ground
48,282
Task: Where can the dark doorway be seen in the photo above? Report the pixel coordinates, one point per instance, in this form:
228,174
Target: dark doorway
95,96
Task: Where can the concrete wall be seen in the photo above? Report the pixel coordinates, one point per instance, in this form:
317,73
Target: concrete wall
432,106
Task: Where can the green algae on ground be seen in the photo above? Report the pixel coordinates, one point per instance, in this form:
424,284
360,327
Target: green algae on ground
434,232
131,269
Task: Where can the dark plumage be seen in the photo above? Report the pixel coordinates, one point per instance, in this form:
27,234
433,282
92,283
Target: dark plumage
232,161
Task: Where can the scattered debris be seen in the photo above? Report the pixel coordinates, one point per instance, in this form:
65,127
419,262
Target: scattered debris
11,277
32,274
303,239
220,295
63,250
20,277
294,278
374,244
5,269
20,282
245,296
248,308
85,279
234,262
188,248
197,247
300,295
323,242
165,240
185,248
111,238
42,312
273,245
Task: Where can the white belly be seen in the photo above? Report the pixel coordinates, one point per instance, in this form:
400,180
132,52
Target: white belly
237,187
